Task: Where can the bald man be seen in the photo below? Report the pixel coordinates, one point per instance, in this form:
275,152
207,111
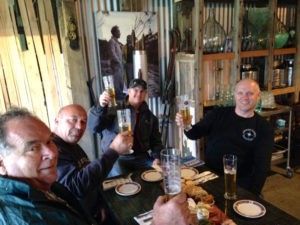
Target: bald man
237,130
75,171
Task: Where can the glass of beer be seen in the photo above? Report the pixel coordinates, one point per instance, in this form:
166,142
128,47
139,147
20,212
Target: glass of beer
110,89
124,122
230,167
171,167
184,108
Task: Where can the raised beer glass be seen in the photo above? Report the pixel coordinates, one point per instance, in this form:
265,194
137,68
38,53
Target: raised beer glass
171,166
124,123
230,168
184,108
110,89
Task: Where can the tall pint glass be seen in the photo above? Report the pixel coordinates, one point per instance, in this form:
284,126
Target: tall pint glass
171,166
110,89
230,168
124,123
184,108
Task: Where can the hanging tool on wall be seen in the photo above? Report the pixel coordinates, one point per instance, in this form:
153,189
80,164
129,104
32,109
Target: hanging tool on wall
169,86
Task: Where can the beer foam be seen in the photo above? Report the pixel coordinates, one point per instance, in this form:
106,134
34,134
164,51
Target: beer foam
232,171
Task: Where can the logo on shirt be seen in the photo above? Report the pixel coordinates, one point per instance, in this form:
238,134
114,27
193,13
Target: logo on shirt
83,162
249,134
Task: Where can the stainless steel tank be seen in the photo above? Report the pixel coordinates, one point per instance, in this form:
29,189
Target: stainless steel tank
140,66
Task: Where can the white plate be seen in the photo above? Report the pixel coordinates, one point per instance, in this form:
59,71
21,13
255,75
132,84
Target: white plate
249,208
152,176
128,189
188,172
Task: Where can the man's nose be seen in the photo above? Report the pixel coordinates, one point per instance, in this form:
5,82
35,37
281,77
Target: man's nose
245,96
79,124
50,152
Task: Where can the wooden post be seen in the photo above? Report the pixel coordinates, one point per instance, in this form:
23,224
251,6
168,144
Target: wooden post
270,47
32,69
237,40
296,72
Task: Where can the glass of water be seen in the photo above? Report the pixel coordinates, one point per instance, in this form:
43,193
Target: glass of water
171,166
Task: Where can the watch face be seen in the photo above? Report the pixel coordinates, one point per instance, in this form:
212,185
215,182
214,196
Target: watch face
72,35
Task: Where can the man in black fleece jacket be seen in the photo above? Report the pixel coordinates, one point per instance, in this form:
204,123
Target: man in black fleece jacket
237,130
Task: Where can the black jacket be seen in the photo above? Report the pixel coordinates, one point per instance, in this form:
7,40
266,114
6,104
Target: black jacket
103,120
82,177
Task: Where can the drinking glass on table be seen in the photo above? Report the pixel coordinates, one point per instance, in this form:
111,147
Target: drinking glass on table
171,167
124,123
230,168
184,108
110,89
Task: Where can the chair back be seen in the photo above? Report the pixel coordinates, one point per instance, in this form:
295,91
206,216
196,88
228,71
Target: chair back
296,112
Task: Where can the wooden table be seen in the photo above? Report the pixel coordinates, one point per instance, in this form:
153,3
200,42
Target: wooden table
123,209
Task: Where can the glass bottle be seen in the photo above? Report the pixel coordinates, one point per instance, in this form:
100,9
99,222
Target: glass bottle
289,71
228,41
281,34
213,34
258,106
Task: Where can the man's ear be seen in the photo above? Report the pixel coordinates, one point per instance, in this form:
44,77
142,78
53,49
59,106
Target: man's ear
56,121
3,171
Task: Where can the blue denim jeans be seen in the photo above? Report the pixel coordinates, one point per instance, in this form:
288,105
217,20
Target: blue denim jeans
127,164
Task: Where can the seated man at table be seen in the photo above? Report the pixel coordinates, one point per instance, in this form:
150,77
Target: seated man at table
28,159
28,191
102,119
75,171
237,130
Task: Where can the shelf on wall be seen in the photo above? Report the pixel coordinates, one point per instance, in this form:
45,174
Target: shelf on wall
218,56
259,53
279,91
282,91
209,103
285,51
248,54
254,53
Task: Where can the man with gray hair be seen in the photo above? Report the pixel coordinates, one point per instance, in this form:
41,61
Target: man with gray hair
28,192
28,159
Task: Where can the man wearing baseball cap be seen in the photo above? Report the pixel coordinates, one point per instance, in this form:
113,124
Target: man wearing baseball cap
147,139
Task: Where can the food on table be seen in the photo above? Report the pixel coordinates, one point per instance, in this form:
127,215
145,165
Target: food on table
209,199
193,191
201,205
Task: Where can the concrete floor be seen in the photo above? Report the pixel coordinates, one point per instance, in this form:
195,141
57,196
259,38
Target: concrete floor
282,191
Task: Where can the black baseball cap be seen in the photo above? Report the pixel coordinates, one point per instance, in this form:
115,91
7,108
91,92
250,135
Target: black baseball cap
138,82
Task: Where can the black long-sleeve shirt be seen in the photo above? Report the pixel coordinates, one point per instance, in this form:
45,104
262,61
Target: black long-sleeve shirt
251,139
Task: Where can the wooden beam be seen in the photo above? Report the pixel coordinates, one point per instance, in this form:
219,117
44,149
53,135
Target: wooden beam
199,6
32,69
237,40
52,50
14,70
18,63
271,34
46,69
296,74
4,101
